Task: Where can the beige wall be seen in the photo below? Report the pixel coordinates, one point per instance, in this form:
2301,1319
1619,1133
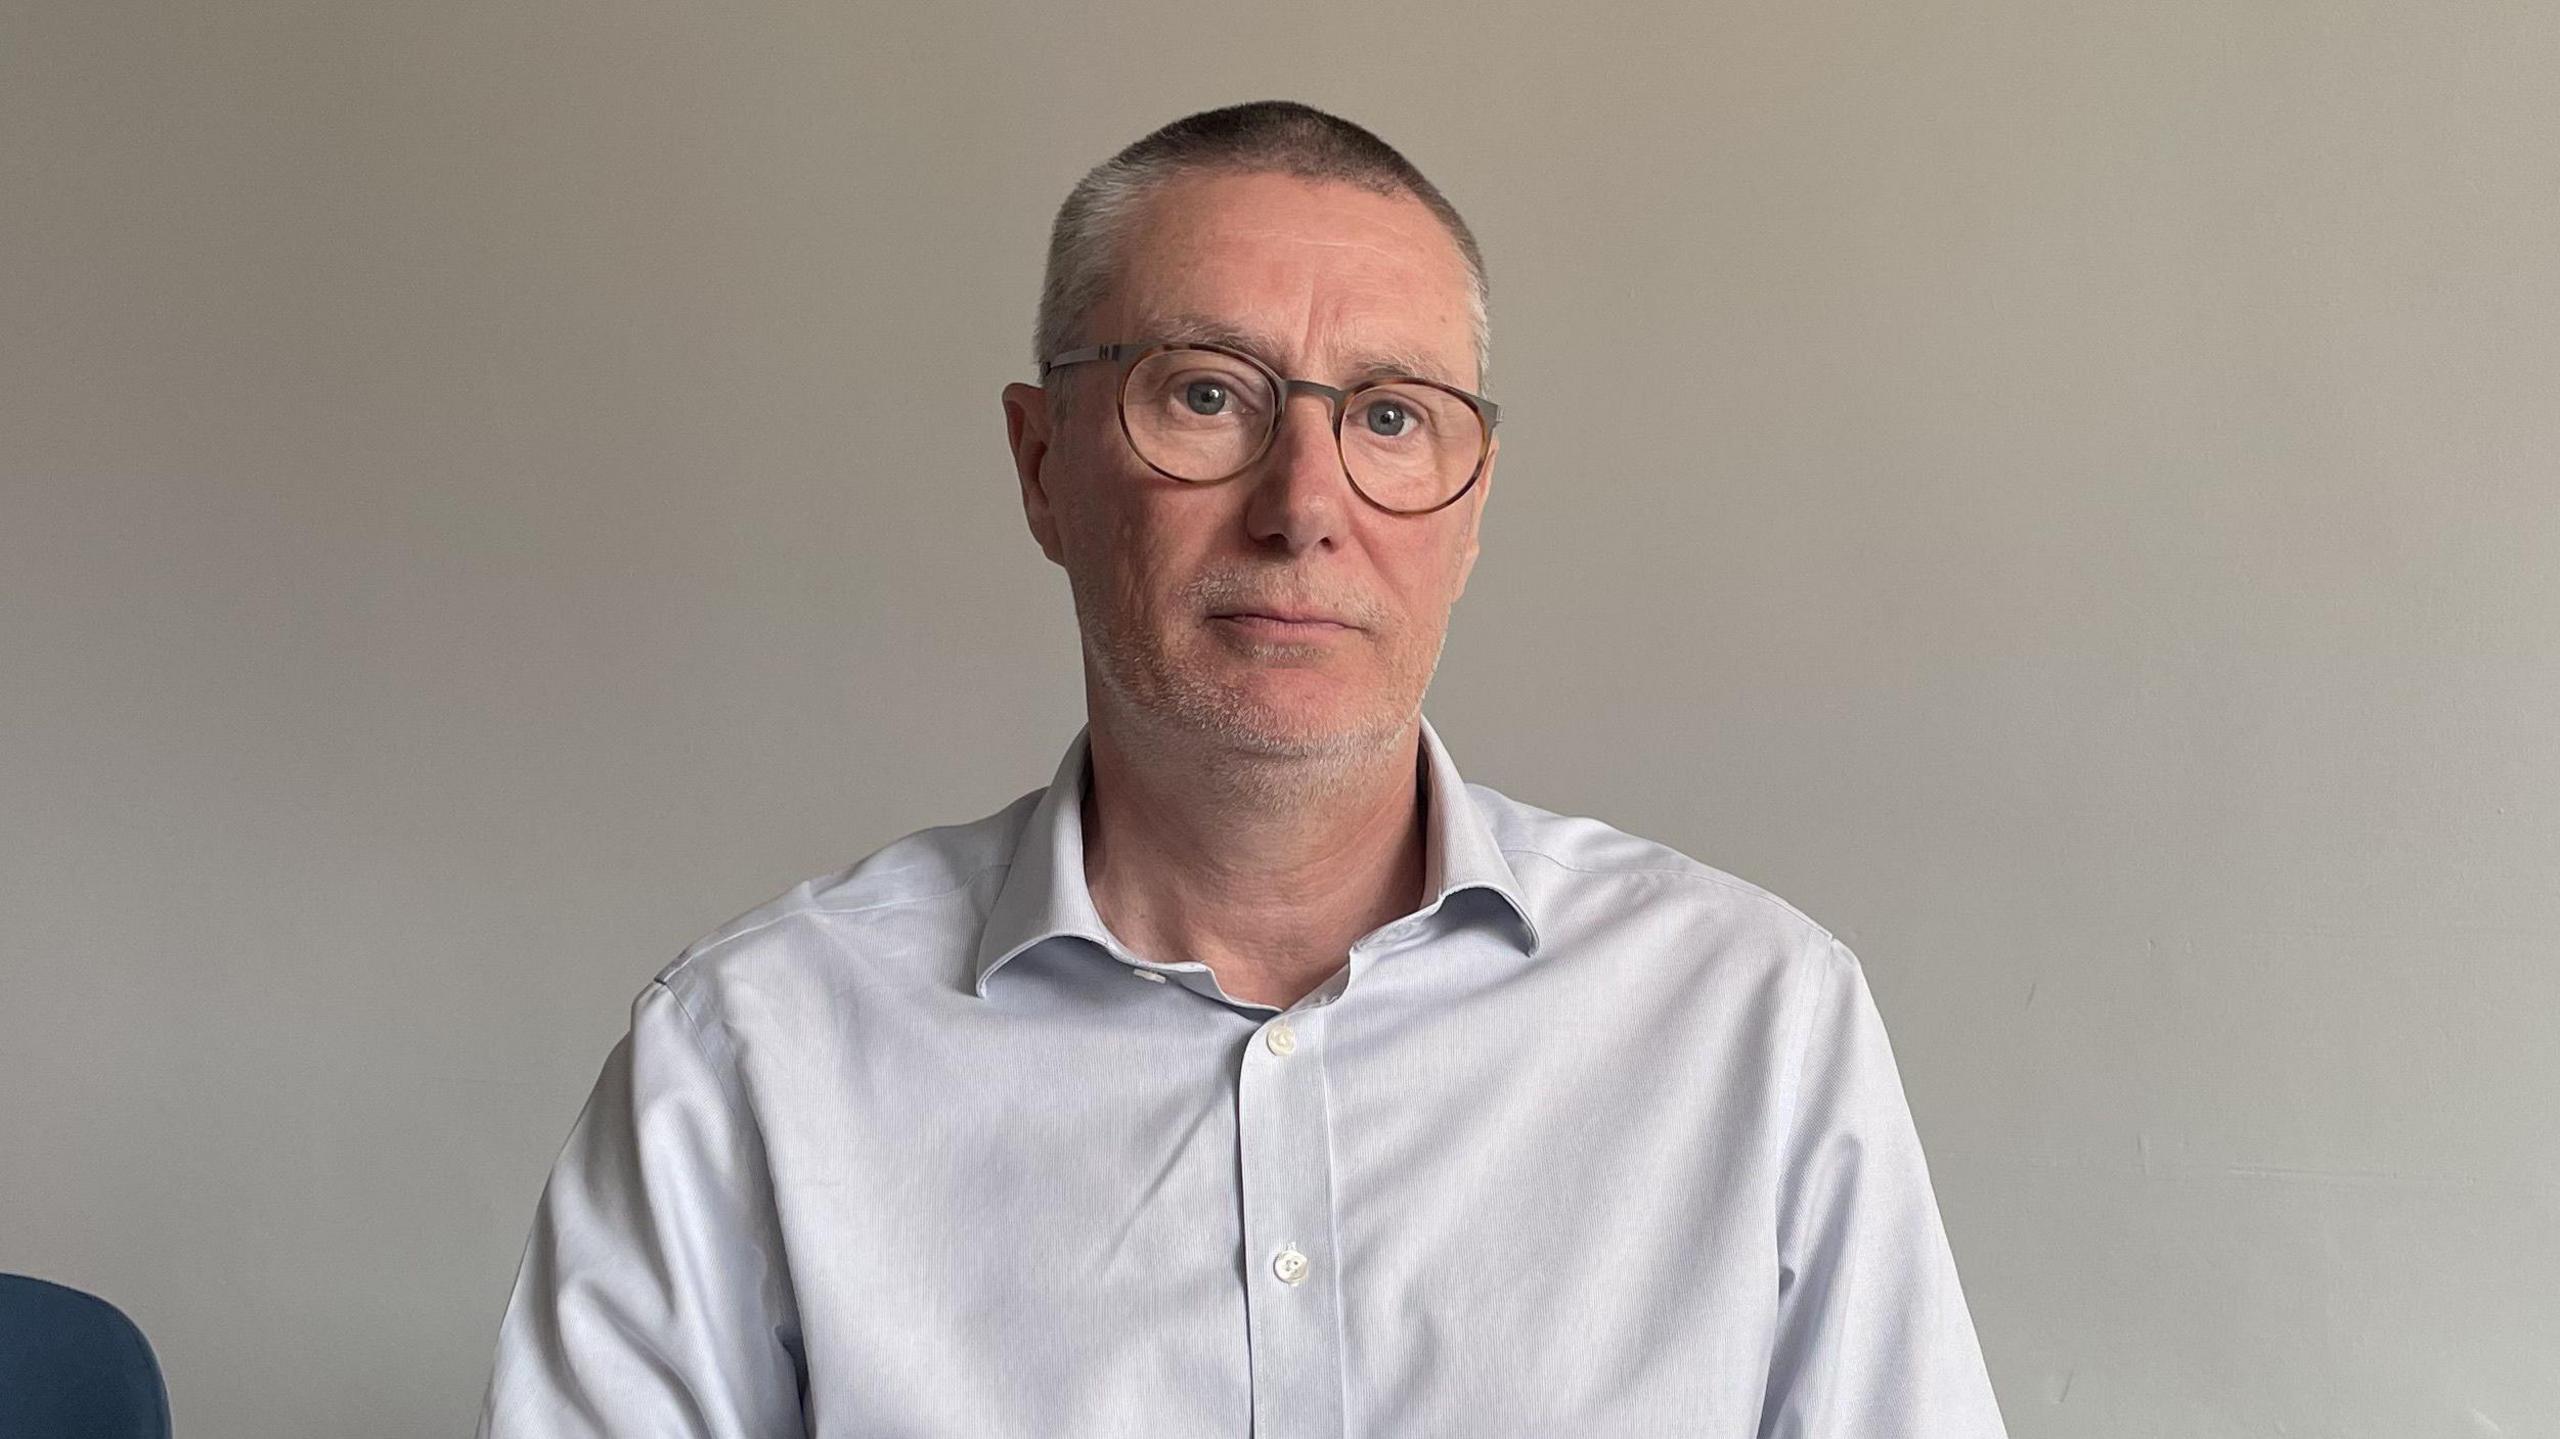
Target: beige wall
2063,493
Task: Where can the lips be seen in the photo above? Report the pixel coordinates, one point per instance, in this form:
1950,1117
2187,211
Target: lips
1293,617
1283,620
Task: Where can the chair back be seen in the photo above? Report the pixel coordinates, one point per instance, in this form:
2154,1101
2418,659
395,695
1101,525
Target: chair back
72,1366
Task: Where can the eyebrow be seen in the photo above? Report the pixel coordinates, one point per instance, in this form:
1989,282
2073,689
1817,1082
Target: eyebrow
1371,364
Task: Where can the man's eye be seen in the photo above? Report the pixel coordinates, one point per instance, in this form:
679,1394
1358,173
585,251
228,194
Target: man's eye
1205,397
1388,418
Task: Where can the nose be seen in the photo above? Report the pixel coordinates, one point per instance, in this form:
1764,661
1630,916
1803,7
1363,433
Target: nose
1301,495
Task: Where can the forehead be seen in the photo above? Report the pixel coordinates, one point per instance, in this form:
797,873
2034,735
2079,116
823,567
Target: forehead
1320,270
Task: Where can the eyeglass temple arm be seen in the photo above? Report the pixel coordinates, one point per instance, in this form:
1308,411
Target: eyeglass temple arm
1078,357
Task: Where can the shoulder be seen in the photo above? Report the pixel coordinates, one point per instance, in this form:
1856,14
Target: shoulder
918,896
1585,868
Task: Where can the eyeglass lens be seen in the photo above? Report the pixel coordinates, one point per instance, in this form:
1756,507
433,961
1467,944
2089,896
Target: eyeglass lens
1202,415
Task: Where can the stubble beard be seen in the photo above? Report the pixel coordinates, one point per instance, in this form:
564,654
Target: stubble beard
1167,709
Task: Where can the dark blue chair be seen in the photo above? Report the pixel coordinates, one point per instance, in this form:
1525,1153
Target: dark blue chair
73,1367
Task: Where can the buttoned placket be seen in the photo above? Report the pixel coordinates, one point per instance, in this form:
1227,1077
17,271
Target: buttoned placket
1293,1308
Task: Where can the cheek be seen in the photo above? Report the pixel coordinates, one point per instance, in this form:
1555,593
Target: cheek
1141,567
1430,583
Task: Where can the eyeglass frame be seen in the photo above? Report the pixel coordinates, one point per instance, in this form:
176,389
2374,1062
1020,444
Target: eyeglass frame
1337,401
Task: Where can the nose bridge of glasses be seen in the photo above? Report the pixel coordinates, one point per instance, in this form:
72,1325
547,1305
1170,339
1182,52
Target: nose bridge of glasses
1332,398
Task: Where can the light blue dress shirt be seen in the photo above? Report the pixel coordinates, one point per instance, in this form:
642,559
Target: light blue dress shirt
1599,1141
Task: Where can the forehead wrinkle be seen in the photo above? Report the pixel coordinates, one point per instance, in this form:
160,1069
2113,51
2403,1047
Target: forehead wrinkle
1403,276
1401,254
1407,226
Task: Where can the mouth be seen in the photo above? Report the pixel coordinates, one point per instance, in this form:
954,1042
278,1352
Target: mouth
1283,625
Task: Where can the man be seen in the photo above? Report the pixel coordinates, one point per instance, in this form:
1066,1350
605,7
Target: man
1257,1076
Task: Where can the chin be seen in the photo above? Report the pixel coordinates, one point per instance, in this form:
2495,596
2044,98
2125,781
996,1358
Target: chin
1199,685
1302,721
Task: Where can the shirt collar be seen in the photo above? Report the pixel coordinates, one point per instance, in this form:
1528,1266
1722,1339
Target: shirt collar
1043,895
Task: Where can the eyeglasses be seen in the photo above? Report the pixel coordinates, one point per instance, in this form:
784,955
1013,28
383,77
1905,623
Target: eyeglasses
1202,413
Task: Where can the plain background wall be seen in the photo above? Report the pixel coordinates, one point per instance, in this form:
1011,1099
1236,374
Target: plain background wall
2065,494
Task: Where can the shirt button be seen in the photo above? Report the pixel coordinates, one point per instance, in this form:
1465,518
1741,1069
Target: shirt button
1282,1039
1290,1265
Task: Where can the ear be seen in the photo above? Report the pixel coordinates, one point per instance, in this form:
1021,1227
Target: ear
1026,431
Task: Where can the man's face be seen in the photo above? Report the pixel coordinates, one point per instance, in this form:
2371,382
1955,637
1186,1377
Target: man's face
1322,281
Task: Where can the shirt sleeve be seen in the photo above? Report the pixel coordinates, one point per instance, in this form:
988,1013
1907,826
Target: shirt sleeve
653,1299
1873,1337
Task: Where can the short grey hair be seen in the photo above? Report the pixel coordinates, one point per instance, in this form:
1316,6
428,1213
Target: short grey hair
1263,137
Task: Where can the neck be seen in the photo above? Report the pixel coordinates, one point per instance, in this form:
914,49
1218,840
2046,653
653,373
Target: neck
1265,868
